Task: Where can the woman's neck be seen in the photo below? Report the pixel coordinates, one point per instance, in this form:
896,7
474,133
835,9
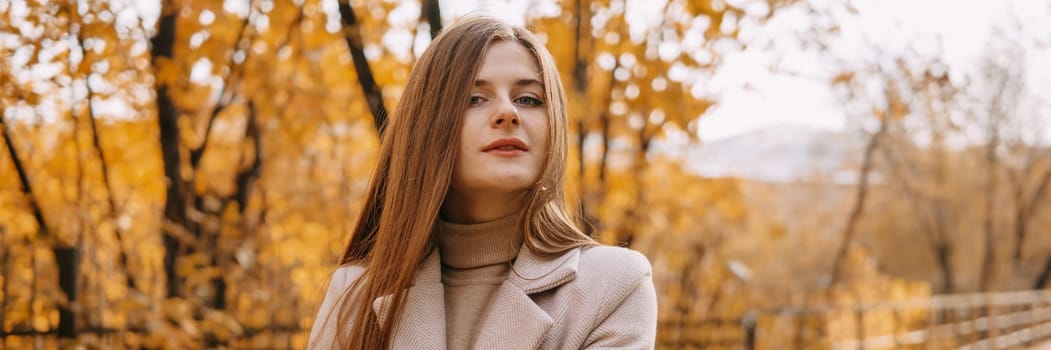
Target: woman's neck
475,207
471,246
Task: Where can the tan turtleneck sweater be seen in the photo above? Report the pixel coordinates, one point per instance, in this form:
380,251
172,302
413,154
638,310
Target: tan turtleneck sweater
476,259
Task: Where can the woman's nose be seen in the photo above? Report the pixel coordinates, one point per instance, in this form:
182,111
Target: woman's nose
506,114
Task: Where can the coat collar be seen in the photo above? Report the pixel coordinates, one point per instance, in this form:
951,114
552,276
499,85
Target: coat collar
514,321
422,324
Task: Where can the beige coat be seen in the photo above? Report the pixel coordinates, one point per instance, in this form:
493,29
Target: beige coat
594,298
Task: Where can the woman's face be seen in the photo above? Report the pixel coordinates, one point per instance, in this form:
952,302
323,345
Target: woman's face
503,144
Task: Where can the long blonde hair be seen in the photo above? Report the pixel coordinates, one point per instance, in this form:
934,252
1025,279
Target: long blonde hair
394,232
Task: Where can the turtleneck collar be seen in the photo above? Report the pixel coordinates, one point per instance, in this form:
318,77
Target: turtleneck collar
467,246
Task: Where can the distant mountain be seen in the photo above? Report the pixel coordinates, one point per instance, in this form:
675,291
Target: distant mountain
781,153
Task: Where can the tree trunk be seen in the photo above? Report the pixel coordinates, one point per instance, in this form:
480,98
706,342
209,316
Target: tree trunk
1045,274
68,261
943,253
587,224
5,256
989,260
111,202
373,94
431,13
65,255
226,92
174,206
1025,213
589,195
859,202
23,178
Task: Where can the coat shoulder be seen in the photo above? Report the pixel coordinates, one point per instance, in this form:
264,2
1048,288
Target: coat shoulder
323,332
612,298
345,275
613,265
623,298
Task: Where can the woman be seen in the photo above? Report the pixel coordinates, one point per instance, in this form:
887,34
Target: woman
464,240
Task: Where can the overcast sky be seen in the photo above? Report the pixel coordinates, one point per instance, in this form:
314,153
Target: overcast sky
766,85
774,80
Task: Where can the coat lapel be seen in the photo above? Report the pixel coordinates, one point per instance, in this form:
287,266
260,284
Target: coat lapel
514,320
422,324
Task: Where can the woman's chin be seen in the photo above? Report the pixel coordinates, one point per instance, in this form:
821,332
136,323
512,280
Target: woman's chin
509,186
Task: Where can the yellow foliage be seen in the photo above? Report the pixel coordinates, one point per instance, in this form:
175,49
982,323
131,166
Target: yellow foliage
275,144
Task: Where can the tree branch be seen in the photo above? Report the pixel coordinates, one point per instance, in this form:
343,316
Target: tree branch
5,256
373,94
97,144
431,13
245,178
985,279
859,199
162,45
1045,274
1027,210
23,178
926,216
226,93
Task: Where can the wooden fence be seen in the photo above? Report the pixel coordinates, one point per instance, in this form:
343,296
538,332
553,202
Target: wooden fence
1010,320
1006,320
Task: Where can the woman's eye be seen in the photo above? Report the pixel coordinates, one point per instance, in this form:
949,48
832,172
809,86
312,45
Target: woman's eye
529,101
476,100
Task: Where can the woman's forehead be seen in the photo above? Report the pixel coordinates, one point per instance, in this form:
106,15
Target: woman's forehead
508,62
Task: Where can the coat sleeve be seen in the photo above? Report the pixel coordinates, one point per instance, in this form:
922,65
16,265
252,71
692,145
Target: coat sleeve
632,324
322,333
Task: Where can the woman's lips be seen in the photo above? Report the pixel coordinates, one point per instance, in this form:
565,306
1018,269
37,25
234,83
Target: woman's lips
506,144
505,151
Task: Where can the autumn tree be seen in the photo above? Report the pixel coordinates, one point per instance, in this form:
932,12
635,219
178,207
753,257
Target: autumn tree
958,186
1017,160
630,83
187,179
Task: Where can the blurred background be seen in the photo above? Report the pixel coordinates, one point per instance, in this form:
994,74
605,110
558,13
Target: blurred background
801,174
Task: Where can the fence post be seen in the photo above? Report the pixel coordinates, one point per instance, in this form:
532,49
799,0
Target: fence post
4,249
800,324
931,319
898,328
859,321
1042,332
992,326
1029,333
68,262
748,322
975,311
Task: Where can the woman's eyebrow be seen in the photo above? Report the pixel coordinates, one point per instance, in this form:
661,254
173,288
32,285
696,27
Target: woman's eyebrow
517,83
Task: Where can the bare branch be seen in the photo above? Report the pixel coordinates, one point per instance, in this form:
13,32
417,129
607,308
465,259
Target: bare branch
174,208
23,178
97,144
226,90
861,194
373,94
431,13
